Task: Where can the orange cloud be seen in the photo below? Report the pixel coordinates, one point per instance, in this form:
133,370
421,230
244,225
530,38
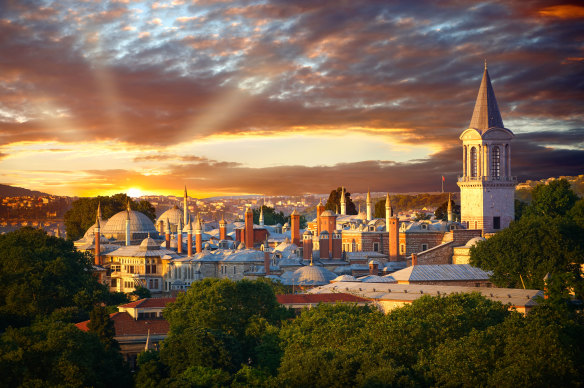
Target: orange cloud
566,11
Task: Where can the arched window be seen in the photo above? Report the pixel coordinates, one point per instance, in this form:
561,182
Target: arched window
496,162
473,162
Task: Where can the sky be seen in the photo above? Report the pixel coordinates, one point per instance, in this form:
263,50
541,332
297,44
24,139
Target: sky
280,97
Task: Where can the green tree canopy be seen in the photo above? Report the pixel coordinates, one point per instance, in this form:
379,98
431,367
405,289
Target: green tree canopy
84,210
553,199
101,324
58,354
529,249
271,216
334,202
40,274
441,213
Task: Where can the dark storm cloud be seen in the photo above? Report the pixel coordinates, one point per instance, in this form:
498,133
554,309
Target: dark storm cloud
146,76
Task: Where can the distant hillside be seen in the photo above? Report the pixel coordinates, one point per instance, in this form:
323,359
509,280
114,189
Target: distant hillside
523,190
11,191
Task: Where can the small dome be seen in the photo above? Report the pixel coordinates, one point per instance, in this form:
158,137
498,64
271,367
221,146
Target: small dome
312,275
307,233
140,225
148,244
173,215
344,278
328,213
324,234
473,241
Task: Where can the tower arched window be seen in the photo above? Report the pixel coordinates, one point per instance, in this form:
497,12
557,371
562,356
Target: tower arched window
496,162
473,162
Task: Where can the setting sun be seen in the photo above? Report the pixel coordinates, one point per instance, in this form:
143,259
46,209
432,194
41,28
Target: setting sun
134,192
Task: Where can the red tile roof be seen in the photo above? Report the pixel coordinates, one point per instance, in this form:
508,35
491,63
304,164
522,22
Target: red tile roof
125,325
149,303
319,298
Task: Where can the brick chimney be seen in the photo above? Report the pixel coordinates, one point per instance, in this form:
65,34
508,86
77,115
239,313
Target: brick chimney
190,240
267,262
295,227
222,229
373,268
179,237
414,259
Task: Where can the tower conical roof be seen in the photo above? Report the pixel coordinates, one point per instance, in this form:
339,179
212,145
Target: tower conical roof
486,111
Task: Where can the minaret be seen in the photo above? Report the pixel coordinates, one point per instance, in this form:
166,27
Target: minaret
222,229
179,237
248,238
198,235
449,209
369,216
388,212
261,216
343,202
167,234
97,235
185,207
128,239
99,210
295,228
190,239
487,188
319,210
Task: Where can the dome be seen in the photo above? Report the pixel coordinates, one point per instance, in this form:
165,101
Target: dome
312,275
174,214
148,244
140,226
327,213
90,233
344,278
307,233
473,241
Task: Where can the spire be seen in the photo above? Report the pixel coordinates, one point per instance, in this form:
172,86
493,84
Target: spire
486,111
185,208
368,196
99,209
261,216
128,206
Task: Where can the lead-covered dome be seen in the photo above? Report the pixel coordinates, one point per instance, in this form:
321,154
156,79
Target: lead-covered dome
173,215
140,226
312,275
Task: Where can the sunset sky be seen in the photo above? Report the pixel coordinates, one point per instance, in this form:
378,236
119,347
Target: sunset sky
280,96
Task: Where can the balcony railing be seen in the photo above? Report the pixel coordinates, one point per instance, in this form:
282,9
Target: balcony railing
486,178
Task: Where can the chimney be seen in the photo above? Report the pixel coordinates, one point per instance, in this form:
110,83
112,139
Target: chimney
222,229
190,240
307,245
295,228
414,259
179,237
267,262
248,238
198,235
373,268
167,236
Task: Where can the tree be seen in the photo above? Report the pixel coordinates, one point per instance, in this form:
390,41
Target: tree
101,324
271,216
441,213
40,274
379,211
142,292
59,354
334,202
84,210
553,199
529,249
520,209
219,324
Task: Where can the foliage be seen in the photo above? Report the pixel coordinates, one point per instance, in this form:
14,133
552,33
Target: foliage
553,199
142,292
277,287
441,213
271,216
101,324
520,209
531,248
334,202
83,211
58,354
220,324
404,202
40,274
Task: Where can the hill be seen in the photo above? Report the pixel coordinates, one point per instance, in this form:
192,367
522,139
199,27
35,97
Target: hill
12,191
523,190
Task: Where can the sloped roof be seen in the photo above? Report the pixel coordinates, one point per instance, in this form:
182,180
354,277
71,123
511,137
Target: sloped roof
149,303
319,298
376,279
125,325
442,272
486,111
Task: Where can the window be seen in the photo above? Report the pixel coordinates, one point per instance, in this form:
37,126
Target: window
424,247
496,222
473,162
495,163
402,249
375,247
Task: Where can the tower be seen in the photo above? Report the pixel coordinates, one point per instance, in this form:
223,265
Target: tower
343,202
185,207
487,189
319,210
248,238
128,227
449,212
388,212
295,228
179,237
190,239
261,220
97,236
198,235
167,234
369,217
222,229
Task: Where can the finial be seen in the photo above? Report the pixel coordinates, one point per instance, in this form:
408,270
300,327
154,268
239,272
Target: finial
485,63
128,207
